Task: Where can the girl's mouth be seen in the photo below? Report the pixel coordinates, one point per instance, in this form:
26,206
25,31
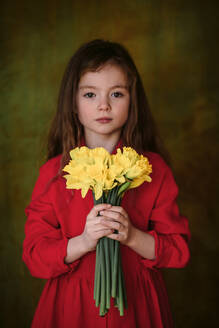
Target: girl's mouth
104,120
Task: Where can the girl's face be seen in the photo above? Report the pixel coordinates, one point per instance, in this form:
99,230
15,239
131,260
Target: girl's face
103,101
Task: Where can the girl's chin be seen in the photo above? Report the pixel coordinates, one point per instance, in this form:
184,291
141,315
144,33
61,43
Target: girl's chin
103,132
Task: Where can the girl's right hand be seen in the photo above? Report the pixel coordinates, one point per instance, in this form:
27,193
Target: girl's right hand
94,230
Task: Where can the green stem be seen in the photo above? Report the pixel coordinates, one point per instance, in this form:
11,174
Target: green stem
123,283
109,195
107,263
97,276
120,289
115,269
113,196
103,280
96,270
123,187
111,250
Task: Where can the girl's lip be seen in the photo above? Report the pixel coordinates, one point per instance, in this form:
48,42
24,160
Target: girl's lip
104,120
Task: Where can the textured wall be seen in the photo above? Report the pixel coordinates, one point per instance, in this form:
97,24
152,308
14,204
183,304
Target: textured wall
175,47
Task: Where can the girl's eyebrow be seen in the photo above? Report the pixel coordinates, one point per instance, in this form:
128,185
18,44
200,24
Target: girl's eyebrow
113,87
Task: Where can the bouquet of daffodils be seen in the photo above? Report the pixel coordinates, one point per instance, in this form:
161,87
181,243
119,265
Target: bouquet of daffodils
108,176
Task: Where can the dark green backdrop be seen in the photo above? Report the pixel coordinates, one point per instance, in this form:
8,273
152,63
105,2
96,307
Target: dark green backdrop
175,47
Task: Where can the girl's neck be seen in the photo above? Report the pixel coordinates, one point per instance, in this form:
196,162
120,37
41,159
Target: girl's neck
105,141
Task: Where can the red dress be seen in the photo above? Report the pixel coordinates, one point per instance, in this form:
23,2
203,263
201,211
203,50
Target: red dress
56,214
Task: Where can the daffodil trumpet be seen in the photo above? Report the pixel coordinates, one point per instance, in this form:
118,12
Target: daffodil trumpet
109,177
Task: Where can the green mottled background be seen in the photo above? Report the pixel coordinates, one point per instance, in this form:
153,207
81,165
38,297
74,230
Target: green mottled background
175,47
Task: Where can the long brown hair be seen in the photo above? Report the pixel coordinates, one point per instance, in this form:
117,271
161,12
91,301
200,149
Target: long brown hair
66,132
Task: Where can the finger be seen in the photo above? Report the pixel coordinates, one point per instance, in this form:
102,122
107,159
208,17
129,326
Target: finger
97,208
116,216
103,233
112,224
100,226
116,236
119,209
96,220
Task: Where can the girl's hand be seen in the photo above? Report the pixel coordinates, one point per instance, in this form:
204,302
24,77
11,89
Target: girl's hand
116,218
94,227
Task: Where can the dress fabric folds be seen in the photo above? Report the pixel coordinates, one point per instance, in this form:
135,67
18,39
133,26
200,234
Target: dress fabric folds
56,214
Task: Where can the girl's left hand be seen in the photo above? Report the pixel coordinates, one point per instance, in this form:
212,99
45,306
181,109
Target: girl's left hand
117,218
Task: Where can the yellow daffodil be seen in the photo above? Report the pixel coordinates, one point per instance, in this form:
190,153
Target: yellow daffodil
96,169
141,167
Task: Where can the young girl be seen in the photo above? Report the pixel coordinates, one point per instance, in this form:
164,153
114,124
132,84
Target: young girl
102,103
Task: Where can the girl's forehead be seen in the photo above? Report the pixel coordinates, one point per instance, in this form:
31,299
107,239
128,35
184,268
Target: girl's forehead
112,71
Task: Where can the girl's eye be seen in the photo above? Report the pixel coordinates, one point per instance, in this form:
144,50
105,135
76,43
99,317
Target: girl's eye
89,95
117,94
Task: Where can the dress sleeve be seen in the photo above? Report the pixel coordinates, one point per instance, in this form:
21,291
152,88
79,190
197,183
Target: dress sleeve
168,227
44,246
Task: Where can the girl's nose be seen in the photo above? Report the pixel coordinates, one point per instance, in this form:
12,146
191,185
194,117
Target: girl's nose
104,103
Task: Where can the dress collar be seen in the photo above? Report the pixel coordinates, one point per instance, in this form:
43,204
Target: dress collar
119,144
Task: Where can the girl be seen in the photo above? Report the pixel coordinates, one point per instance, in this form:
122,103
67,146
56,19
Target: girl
102,103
